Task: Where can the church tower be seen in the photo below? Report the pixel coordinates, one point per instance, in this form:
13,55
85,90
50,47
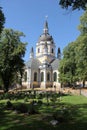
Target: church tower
45,47
32,53
42,69
59,54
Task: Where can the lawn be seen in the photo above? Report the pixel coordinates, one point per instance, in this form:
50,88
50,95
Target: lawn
73,118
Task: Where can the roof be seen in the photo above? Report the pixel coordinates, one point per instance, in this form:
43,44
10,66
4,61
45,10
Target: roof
55,64
46,37
33,63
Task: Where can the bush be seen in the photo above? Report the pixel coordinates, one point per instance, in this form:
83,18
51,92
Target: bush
9,105
26,99
22,107
40,102
1,96
32,109
7,96
62,115
39,96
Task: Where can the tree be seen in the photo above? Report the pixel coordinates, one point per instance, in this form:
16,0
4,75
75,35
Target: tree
83,23
75,4
67,67
81,58
2,20
73,66
12,51
81,49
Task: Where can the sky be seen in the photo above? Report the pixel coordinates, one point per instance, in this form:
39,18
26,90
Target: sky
29,16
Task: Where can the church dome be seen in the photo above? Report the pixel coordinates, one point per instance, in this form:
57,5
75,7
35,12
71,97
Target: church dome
45,36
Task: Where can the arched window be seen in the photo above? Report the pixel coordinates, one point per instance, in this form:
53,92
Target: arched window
52,50
38,50
55,76
42,76
48,76
35,76
25,76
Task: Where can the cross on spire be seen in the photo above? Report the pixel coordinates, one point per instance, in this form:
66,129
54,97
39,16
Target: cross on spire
46,17
46,26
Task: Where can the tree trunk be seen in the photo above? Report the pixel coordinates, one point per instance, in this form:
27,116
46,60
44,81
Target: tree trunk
6,86
83,83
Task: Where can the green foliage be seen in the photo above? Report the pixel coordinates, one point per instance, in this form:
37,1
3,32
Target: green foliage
32,109
12,51
83,23
81,57
81,49
40,102
73,66
9,105
22,107
75,4
2,19
71,114
62,115
67,66
26,99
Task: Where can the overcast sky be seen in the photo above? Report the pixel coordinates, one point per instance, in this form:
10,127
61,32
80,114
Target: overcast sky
28,16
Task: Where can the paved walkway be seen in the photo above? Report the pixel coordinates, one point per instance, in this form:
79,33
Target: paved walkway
84,92
76,91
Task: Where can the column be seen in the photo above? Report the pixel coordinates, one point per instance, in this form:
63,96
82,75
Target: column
45,78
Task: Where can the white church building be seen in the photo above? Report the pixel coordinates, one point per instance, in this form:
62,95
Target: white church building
41,71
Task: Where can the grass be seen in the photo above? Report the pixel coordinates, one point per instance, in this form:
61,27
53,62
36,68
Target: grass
76,105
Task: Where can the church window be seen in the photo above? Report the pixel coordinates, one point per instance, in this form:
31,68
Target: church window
38,50
42,76
55,76
25,76
52,50
35,76
48,76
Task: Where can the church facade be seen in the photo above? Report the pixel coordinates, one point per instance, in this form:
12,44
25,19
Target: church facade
41,71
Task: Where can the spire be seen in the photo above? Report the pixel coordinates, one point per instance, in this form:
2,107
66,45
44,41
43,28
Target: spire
32,53
32,50
59,54
45,30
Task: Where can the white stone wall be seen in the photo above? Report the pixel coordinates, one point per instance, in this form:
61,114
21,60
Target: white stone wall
41,47
30,78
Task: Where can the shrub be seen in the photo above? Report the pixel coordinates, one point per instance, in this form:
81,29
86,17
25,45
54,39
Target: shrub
22,107
62,115
1,96
26,99
39,96
7,96
9,105
40,102
31,110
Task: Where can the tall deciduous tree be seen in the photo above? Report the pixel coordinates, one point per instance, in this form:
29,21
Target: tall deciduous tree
74,62
83,23
81,58
2,19
12,51
81,49
75,4
67,65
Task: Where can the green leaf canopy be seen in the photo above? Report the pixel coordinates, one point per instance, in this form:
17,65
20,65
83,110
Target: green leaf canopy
12,51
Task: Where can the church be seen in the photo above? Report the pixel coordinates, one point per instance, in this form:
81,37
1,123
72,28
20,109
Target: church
41,71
